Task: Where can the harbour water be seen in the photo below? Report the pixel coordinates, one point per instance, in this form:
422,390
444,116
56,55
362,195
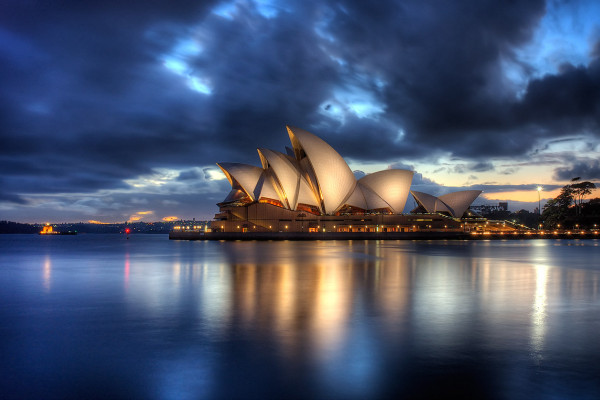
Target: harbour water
99,316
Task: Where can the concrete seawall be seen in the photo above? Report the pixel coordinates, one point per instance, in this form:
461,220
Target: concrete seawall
187,235
315,235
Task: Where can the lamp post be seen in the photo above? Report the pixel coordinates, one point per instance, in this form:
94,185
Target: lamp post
539,190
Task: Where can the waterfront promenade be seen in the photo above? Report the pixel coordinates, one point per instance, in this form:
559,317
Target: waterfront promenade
422,235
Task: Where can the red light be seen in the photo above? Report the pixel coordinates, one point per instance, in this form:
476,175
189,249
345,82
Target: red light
127,230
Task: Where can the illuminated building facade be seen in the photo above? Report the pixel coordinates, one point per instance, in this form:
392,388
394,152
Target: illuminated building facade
310,188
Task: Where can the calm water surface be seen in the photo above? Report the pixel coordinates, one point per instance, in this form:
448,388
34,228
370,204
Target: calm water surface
97,316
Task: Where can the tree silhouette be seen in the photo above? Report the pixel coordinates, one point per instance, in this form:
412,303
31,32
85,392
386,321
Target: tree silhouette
580,190
559,210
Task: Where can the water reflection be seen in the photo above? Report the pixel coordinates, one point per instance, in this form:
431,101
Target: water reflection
47,272
336,319
126,270
343,307
538,314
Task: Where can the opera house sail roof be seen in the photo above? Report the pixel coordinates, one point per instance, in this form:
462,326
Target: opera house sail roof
455,203
332,180
313,177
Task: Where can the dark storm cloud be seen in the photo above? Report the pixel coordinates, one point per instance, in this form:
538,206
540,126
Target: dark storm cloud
86,105
442,84
482,167
190,174
569,100
586,170
12,198
443,77
446,81
86,100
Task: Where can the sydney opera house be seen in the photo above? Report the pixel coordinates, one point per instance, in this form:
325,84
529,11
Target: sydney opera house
310,188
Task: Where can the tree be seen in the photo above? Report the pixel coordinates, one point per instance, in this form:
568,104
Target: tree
559,210
580,190
556,210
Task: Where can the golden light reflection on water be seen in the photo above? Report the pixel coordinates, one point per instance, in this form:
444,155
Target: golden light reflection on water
244,290
331,307
392,286
309,298
308,301
294,303
340,314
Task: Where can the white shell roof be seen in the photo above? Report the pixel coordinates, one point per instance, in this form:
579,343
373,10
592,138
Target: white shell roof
306,170
268,188
357,198
313,173
392,185
306,195
334,178
455,203
430,203
460,201
243,176
285,173
374,201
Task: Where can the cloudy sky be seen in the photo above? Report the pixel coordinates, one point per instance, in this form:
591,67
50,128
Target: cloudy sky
119,110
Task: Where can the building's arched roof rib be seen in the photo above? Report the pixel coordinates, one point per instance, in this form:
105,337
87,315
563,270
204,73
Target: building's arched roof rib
334,179
242,176
392,185
263,159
